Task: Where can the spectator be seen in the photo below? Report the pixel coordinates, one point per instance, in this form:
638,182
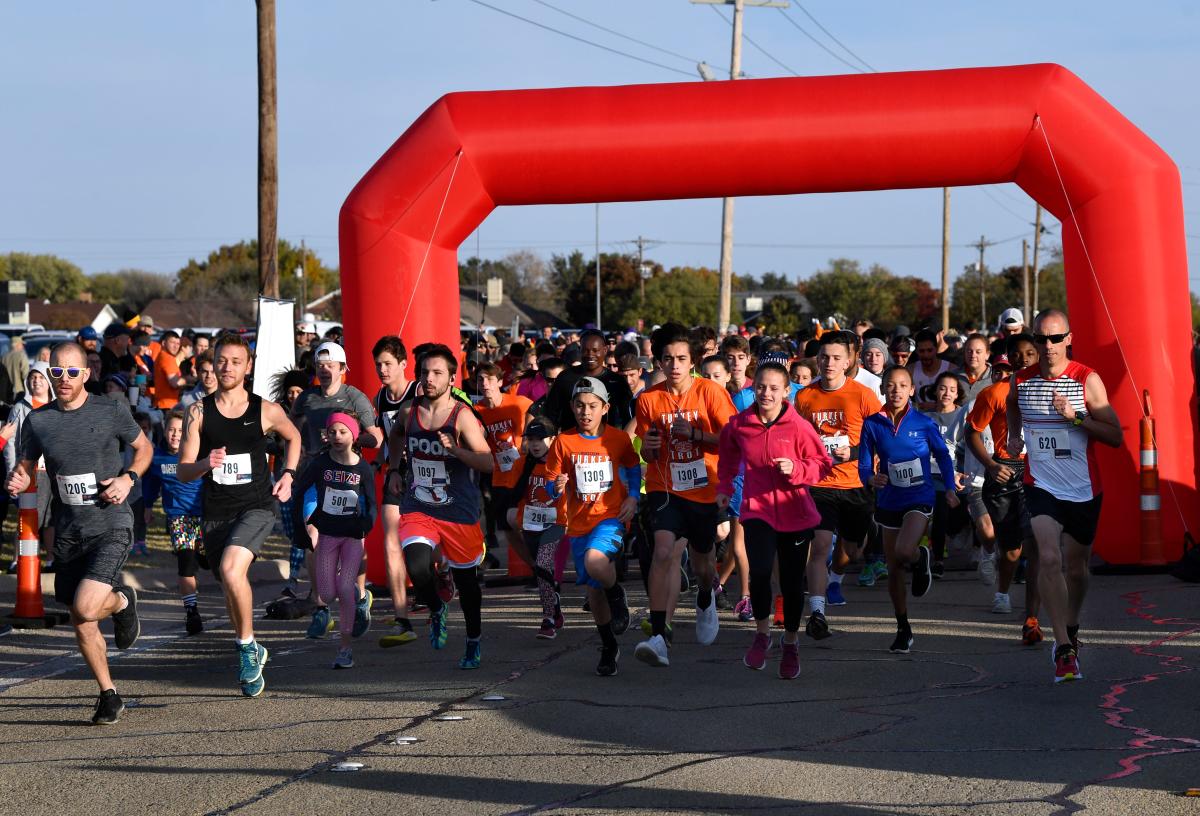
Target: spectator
16,369
114,355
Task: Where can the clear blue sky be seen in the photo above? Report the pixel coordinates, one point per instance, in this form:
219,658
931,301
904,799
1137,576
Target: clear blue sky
129,129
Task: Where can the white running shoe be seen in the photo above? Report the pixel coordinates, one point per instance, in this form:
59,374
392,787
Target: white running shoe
653,652
707,624
987,568
1001,604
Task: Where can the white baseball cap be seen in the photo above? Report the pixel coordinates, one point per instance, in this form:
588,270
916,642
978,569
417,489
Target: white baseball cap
332,352
1012,317
308,328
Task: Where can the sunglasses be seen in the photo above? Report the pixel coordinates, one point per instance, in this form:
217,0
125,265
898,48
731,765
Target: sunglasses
1043,339
57,372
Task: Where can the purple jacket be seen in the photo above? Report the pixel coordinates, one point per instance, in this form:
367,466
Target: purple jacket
781,501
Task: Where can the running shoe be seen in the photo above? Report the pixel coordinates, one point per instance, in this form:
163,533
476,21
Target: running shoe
922,578
789,661
881,571
607,667
1031,632
438,633
470,658
559,620
833,594
320,625
344,659
866,578
445,585
402,632
817,628
721,599
743,609
587,604
756,655
126,626
648,630
707,624
108,708
547,631
653,652
938,570
619,607
5,629
777,620
362,614
1066,664
252,657
1001,604
987,569
254,689
193,622
903,642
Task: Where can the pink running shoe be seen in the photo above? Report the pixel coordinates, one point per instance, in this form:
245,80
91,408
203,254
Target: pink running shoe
743,610
789,662
756,655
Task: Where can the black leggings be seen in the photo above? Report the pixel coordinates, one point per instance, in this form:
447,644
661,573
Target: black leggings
946,522
763,544
418,559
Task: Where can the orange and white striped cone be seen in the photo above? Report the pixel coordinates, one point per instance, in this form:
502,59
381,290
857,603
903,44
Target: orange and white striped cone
29,612
1152,546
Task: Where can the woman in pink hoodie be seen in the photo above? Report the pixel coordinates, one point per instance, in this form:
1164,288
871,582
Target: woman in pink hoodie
783,455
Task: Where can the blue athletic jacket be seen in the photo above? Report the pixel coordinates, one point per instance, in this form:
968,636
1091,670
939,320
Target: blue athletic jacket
179,498
903,453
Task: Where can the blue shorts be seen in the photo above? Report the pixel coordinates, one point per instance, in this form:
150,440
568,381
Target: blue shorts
735,501
607,537
310,503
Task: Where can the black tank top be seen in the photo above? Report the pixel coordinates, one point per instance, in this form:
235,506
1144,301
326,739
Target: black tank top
242,482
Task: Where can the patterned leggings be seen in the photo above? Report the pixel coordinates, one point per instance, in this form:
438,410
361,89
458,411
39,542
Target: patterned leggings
337,562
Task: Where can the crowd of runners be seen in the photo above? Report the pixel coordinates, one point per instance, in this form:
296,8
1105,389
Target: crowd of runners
762,471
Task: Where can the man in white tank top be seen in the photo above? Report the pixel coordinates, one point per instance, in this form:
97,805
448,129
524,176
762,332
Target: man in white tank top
1063,407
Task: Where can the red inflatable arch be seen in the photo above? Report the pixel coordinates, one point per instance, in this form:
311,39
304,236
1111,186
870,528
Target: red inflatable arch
1116,192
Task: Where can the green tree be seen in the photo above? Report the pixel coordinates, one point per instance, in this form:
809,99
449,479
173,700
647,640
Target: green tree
129,290
230,275
844,289
48,276
575,278
964,298
687,295
772,281
780,316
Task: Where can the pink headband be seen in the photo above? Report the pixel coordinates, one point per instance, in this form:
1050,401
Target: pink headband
347,420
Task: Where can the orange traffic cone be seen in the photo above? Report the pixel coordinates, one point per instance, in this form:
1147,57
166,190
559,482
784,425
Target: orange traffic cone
29,612
1152,546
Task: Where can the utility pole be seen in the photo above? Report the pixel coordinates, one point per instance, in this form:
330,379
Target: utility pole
268,153
725,293
641,245
303,280
1037,242
981,246
1025,278
945,259
598,325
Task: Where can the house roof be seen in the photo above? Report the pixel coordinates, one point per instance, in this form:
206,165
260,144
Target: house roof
72,315
472,303
189,314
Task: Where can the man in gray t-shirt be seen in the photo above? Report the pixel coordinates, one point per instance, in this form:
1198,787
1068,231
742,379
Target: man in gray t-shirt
80,436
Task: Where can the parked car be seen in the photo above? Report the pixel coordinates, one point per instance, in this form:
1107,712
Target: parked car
35,341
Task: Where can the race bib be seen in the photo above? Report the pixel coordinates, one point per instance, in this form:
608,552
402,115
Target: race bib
689,475
429,473
538,518
832,443
506,458
340,502
592,478
79,490
906,474
1049,444
235,470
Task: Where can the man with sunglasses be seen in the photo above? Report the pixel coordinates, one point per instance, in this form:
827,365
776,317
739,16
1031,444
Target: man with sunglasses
1063,408
80,436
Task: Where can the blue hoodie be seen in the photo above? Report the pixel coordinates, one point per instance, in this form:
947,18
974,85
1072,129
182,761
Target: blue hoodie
179,498
903,453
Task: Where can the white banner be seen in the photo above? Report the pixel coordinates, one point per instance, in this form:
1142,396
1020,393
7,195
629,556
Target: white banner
275,348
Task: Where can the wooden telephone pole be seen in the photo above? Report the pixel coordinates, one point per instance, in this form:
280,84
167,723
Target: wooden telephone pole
268,154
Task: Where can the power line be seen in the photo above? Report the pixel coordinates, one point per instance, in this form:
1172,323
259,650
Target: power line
820,44
829,34
764,51
568,35
616,33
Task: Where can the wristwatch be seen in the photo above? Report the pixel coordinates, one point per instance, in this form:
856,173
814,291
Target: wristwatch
1078,420
133,477
289,471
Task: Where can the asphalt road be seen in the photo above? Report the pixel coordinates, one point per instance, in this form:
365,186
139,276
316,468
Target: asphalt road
969,723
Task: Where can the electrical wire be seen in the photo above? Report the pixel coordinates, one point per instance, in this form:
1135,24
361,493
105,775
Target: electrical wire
829,34
820,44
576,38
746,37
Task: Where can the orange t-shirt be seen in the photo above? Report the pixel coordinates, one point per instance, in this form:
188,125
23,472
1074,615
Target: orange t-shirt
504,427
594,488
706,406
990,411
536,511
166,368
838,417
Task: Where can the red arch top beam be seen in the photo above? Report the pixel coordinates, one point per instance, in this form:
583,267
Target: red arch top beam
470,152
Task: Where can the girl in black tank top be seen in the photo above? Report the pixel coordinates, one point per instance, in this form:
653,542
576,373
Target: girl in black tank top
242,482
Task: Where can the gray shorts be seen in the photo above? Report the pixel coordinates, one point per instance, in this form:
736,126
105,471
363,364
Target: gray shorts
94,558
975,505
248,530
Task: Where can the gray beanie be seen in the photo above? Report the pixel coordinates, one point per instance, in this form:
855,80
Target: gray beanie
876,343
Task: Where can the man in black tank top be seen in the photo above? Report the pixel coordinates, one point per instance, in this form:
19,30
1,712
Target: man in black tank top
224,442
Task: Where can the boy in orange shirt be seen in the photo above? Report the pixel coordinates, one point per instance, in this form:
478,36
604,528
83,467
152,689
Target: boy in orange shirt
602,469
503,418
